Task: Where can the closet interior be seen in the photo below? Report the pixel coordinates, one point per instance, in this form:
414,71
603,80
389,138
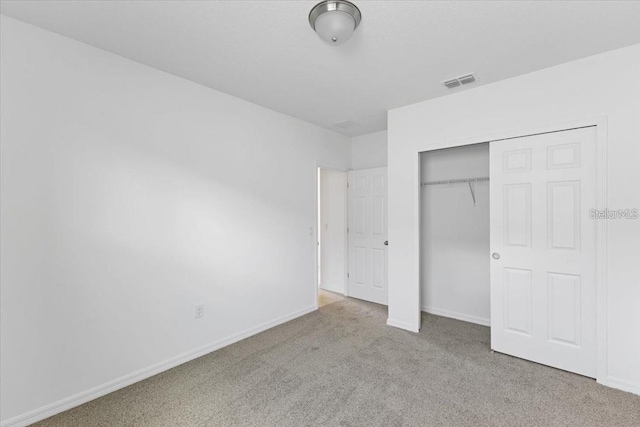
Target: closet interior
454,239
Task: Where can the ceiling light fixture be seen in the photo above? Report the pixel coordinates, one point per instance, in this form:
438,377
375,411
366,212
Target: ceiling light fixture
335,20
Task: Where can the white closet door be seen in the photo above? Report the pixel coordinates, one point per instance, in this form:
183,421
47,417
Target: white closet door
368,235
543,293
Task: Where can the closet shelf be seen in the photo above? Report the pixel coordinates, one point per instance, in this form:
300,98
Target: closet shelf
458,181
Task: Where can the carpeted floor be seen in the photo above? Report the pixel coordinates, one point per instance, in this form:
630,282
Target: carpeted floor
327,297
342,366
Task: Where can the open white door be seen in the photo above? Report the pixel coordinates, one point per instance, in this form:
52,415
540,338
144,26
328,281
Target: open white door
543,293
367,234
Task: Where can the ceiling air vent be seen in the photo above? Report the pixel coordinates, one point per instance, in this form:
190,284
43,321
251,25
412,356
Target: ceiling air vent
462,80
465,80
452,83
345,124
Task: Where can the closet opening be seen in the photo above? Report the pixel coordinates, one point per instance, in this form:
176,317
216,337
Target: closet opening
454,233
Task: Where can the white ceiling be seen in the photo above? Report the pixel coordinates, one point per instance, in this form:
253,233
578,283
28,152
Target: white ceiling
265,51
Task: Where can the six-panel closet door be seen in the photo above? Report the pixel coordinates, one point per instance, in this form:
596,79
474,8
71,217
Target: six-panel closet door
543,293
367,234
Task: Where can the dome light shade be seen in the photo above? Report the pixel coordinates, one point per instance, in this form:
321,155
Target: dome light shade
334,21
335,27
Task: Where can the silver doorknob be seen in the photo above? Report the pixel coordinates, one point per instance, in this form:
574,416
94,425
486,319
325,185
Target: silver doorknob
495,255
386,243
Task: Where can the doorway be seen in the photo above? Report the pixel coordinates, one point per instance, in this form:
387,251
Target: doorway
332,236
454,233
542,252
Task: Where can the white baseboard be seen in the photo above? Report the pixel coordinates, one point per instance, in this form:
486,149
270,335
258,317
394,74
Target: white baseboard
621,384
402,325
459,316
124,381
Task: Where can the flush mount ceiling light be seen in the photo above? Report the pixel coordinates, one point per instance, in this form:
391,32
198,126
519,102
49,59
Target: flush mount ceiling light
335,20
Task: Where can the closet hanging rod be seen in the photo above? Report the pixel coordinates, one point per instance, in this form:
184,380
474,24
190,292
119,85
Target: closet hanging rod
456,181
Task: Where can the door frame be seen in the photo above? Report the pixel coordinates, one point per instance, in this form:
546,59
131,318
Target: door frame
317,168
600,124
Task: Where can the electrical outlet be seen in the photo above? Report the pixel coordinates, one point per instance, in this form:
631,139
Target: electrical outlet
199,312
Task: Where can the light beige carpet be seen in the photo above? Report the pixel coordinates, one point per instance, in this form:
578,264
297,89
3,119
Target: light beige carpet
342,366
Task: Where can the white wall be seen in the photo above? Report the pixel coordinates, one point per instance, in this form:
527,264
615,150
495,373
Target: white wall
602,85
369,151
455,235
333,229
129,196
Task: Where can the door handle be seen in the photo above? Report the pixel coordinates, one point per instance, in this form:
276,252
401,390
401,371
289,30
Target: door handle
386,243
495,255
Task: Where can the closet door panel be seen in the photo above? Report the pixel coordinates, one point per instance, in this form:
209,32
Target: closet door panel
543,293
